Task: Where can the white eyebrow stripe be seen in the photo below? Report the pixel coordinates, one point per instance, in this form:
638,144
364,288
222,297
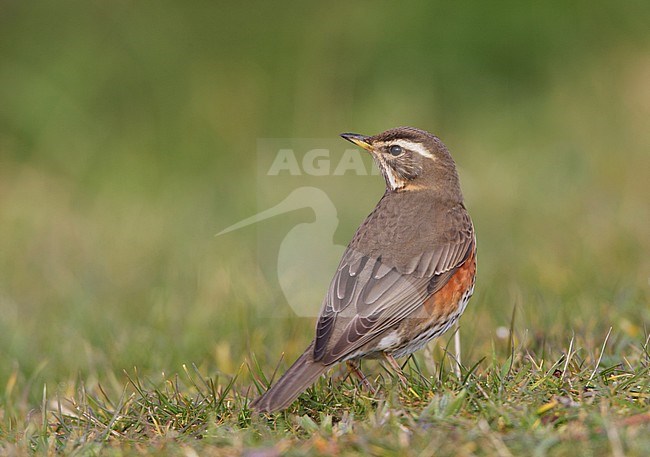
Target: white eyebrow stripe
412,146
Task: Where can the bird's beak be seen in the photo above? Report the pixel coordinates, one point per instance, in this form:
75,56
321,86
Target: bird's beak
359,140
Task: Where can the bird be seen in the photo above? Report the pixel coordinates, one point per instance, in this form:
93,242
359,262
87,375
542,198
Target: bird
302,264
406,276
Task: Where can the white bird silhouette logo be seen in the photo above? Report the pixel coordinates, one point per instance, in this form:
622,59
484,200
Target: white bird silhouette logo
307,257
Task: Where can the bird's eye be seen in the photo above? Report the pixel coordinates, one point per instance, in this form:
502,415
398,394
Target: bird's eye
395,150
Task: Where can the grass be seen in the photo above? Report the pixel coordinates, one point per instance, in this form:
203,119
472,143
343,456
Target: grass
578,400
128,138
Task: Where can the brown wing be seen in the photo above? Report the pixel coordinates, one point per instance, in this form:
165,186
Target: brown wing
367,296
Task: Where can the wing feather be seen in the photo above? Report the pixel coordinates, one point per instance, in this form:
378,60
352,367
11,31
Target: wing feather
383,293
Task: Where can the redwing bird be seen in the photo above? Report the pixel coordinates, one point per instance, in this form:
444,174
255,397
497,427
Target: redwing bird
406,276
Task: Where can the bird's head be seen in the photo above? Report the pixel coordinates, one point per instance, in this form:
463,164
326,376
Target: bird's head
410,159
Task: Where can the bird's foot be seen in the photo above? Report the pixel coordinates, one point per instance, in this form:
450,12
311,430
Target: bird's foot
397,369
355,367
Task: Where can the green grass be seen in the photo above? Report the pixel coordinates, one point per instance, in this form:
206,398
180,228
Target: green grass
568,401
128,136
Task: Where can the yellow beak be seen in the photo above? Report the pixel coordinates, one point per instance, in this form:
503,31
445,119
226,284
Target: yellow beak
359,140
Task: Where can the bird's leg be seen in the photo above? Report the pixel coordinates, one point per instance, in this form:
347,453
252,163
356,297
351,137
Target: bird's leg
355,367
396,368
457,349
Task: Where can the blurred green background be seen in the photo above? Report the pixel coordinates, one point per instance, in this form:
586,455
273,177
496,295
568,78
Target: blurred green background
128,135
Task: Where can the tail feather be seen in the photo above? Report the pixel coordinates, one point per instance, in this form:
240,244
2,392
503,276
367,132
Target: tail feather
302,374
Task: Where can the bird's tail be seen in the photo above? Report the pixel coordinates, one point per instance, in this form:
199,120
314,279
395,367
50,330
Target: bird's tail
302,374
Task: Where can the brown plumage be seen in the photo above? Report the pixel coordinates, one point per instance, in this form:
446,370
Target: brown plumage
406,276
